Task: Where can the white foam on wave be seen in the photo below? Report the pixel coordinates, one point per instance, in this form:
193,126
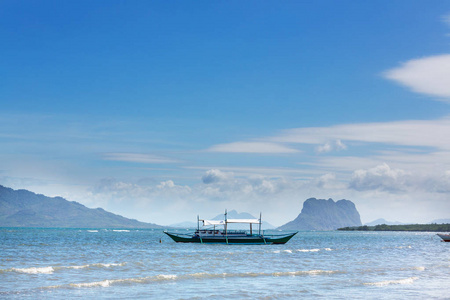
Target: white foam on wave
404,247
302,250
120,230
34,270
308,250
98,265
169,277
104,283
92,230
200,275
50,269
409,280
300,273
274,274
108,282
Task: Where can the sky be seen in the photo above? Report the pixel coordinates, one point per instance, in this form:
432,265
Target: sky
164,110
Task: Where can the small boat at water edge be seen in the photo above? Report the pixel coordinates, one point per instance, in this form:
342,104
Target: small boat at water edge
444,237
225,236
230,237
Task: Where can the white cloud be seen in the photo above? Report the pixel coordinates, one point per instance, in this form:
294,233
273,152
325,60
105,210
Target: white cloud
337,145
225,185
169,184
384,178
428,75
137,158
214,175
256,171
328,181
252,147
381,177
140,191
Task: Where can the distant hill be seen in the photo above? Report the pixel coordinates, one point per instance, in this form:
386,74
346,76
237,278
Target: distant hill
382,221
321,214
22,208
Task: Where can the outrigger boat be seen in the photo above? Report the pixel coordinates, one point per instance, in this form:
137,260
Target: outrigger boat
226,236
444,237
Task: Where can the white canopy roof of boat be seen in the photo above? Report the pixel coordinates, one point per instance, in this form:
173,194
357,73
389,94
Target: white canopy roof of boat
251,221
222,222
213,222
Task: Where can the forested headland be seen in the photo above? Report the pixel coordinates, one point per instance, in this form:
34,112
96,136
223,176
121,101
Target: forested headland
408,227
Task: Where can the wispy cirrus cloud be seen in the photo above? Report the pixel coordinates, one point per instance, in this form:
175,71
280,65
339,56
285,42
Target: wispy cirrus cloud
138,158
430,133
414,133
428,75
252,147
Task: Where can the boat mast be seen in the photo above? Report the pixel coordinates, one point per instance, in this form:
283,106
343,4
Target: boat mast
198,223
259,223
226,225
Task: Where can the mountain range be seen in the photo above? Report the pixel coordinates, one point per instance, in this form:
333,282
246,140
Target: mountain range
22,208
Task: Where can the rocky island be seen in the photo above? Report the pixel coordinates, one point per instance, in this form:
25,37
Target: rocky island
321,214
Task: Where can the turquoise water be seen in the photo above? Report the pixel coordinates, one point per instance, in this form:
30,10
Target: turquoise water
133,264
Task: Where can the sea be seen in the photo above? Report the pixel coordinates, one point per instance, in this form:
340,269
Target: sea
57,263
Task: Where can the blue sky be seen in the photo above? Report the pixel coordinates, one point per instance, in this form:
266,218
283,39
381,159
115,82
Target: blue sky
164,110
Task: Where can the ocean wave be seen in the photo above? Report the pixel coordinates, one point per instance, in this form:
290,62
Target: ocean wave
173,277
409,280
259,274
109,282
51,269
92,230
104,283
120,230
302,250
